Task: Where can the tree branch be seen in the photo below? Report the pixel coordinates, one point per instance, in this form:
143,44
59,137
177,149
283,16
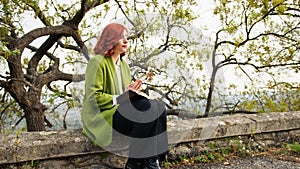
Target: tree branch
64,119
49,55
263,17
54,75
71,47
38,11
67,29
26,83
62,94
17,123
232,112
181,113
124,13
86,5
263,66
48,123
39,32
5,108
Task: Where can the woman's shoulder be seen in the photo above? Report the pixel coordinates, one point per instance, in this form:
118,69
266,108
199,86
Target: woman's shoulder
97,57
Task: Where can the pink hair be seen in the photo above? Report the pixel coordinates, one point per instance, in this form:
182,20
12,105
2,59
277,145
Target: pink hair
110,36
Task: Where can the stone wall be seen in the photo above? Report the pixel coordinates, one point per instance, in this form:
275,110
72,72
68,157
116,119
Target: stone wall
71,149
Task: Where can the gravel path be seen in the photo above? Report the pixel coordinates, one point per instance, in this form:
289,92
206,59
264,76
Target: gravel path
244,163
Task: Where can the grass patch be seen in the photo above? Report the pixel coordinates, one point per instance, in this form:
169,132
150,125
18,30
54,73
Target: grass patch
218,153
237,148
295,147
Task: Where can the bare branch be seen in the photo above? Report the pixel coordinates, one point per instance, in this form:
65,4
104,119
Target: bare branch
54,75
124,13
39,32
62,94
5,108
19,121
263,17
259,67
182,113
233,112
138,64
290,86
39,12
48,123
49,55
3,84
69,28
71,47
64,119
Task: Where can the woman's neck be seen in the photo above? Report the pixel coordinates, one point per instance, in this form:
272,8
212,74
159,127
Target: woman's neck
115,58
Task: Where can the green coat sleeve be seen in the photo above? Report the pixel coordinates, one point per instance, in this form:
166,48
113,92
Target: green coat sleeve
98,109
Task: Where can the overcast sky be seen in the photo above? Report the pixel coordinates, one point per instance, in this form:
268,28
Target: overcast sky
205,10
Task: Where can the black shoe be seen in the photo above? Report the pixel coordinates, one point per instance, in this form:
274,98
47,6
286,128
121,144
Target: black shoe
133,163
151,163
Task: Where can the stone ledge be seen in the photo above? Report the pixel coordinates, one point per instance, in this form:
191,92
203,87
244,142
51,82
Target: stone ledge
232,125
67,143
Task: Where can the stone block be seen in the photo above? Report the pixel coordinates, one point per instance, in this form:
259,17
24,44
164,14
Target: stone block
50,145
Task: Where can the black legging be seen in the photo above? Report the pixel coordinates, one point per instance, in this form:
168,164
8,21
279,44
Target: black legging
144,122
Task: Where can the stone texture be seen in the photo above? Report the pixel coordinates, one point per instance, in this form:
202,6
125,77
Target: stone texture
70,147
231,125
42,145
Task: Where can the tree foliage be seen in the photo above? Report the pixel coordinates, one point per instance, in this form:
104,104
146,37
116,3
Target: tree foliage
259,38
41,60
45,47
29,73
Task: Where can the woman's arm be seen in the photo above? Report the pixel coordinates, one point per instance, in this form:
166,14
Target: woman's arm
96,85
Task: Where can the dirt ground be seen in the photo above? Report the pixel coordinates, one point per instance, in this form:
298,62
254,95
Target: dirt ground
273,158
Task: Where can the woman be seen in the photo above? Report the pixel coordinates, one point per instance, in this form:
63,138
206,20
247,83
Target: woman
141,120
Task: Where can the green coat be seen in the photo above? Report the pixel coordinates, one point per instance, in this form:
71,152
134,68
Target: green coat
101,83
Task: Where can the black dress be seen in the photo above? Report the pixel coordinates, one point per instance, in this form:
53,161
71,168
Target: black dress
142,125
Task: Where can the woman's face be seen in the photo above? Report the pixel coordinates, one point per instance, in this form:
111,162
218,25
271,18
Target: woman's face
122,45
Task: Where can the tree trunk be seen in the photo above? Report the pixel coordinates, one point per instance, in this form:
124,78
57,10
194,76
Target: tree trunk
34,111
210,92
34,120
30,103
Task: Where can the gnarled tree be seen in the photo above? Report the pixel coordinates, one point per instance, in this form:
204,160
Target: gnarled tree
40,56
25,84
